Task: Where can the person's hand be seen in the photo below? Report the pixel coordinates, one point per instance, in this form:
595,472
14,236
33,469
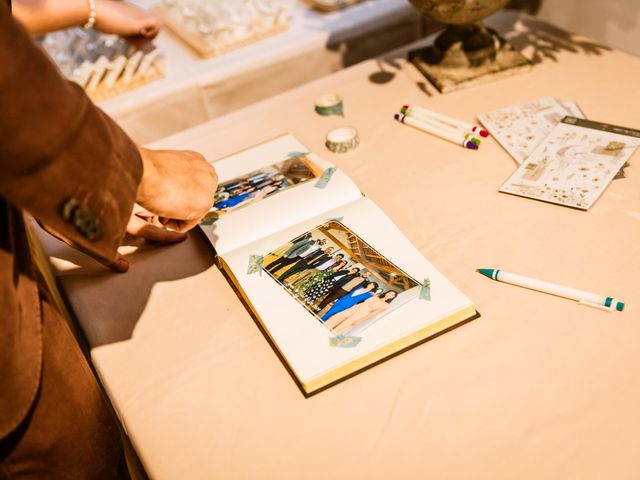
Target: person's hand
177,186
128,21
176,191
144,224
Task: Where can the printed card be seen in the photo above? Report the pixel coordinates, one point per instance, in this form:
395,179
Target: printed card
575,164
521,128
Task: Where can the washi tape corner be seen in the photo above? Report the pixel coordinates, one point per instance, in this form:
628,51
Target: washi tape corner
297,154
323,181
255,264
425,290
344,341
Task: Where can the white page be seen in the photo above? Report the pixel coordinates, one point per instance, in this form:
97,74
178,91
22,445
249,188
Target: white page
301,337
575,163
521,128
281,209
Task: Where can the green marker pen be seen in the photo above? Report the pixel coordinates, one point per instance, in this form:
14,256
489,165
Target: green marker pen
582,297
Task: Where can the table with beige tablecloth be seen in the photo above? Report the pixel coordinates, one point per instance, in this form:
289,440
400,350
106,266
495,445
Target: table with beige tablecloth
537,388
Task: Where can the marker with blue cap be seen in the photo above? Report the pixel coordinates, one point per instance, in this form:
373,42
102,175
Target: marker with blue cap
582,297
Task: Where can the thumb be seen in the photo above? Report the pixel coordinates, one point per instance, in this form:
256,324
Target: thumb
141,228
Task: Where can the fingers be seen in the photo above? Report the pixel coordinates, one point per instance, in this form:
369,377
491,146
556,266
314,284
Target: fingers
144,33
120,265
140,227
143,229
150,27
179,225
133,23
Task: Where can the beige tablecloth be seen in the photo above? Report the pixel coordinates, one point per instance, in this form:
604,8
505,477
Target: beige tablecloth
316,44
537,388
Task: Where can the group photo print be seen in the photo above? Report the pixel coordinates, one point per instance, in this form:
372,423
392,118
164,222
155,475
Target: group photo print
262,183
340,279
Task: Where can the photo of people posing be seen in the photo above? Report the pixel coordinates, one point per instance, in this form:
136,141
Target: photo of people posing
345,283
260,184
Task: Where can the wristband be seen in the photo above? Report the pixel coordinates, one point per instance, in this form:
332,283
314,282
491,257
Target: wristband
91,21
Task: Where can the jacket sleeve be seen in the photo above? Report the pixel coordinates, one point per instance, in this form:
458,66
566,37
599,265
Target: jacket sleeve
61,158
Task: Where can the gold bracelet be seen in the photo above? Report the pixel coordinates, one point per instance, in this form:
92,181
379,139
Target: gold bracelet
91,21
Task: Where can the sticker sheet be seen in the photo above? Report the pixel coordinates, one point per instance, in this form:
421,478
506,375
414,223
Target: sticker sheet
575,163
521,128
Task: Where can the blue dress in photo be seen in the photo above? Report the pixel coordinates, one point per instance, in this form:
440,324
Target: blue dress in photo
348,301
232,201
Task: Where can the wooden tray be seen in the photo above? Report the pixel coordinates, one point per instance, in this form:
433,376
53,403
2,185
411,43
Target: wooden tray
206,49
327,6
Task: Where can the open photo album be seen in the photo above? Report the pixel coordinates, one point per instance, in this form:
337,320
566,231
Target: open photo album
333,283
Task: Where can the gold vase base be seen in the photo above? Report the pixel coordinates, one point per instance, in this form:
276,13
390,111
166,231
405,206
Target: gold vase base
456,68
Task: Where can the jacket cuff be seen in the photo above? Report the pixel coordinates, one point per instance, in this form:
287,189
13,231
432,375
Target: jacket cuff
85,193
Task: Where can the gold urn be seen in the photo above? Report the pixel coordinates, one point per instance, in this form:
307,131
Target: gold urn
466,52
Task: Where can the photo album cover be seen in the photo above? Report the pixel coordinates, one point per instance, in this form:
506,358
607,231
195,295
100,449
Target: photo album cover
332,282
575,164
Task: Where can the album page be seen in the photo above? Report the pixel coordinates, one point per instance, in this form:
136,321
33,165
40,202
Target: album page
270,187
340,291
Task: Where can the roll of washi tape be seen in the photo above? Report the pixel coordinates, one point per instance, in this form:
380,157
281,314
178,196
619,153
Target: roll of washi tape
328,105
342,140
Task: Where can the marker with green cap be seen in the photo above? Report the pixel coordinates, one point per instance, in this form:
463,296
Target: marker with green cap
582,297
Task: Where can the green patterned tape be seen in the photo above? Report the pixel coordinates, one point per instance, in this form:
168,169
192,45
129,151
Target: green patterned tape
297,154
425,290
323,181
328,105
255,264
344,341
342,140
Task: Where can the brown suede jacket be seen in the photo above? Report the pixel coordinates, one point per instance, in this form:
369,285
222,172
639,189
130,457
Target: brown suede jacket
72,168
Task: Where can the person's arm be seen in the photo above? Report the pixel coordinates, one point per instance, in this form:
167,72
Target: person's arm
296,243
61,158
320,261
374,311
299,250
112,16
65,162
